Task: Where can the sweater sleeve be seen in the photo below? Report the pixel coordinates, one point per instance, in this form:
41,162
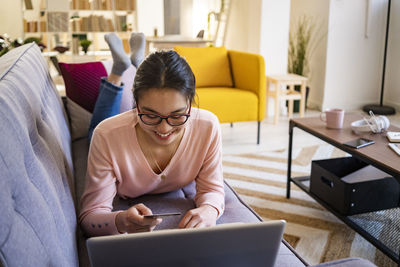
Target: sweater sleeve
96,216
209,182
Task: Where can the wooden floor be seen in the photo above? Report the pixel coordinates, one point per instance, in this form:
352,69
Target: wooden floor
241,138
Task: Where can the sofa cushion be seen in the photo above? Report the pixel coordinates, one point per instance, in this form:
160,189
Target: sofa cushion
38,220
210,65
221,100
79,120
181,200
80,149
348,262
82,82
287,257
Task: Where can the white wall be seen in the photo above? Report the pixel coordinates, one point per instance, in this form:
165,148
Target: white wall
318,13
354,63
243,32
10,18
243,26
346,66
275,35
391,94
200,10
186,13
150,15
194,16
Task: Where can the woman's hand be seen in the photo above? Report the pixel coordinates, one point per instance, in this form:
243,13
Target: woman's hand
203,216
133,220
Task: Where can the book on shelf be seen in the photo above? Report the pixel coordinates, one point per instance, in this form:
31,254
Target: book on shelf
42,26
30,26
101,5
95,23
110,25
120,23
125,4
75,24
28,4
102,24
92,23
80,4
395,147
25,22
393,136
86,24
57,21
93,4
107,5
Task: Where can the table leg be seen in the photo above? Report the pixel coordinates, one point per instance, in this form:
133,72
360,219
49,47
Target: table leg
147,48
303,99
290,108
267,98
277,104
289,163
290,102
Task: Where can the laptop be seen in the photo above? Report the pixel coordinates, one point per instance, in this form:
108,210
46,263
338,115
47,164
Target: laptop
234,244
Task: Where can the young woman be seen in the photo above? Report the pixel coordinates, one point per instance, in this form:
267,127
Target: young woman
160,146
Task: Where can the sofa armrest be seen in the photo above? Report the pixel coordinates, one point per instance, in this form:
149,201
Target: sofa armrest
248,73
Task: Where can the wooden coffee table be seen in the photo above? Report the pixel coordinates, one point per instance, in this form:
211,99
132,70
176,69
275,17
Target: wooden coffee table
380,155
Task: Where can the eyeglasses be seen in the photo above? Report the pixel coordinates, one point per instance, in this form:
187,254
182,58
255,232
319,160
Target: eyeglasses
175,119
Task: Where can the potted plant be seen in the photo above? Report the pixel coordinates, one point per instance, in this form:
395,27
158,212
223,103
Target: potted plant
300,50
36,40
85,45
6,44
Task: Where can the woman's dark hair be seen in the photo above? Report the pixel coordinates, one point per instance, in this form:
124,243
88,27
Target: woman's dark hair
164,69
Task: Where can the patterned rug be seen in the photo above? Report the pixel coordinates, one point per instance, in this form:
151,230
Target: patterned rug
317,235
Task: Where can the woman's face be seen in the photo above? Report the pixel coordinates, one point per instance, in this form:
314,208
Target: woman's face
163,102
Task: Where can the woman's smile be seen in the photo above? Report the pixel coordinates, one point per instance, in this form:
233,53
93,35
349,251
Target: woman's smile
164,136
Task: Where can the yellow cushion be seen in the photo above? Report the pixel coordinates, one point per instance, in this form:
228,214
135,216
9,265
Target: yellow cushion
210,65
228,104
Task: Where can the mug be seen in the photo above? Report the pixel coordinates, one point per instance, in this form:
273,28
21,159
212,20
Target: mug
333,118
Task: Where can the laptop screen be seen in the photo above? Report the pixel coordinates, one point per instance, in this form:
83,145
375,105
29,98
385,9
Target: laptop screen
235,244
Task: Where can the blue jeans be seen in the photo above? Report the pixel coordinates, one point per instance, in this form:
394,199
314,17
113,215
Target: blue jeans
108,104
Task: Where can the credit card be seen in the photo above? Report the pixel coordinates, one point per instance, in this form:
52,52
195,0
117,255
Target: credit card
160,215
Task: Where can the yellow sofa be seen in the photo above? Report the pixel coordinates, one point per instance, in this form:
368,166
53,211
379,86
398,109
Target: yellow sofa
231,84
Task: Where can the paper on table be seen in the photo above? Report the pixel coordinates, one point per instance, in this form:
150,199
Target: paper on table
395,147
367,173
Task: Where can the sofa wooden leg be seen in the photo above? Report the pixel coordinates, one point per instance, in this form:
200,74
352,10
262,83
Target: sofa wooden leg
231,124
258,132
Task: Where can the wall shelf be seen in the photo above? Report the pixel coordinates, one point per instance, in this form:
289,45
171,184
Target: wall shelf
56,22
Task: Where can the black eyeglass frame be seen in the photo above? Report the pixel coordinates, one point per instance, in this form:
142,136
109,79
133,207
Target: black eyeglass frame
161,118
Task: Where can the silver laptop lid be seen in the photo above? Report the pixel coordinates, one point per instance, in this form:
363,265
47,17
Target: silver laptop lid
235,244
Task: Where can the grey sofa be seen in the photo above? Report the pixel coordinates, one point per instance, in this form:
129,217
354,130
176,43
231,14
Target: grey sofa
42,174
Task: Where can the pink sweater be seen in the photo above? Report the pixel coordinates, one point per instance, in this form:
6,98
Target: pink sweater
117,165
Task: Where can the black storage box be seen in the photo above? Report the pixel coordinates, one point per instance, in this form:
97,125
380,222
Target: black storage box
351,186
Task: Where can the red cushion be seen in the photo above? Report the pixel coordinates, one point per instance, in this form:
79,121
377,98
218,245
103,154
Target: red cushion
82,81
